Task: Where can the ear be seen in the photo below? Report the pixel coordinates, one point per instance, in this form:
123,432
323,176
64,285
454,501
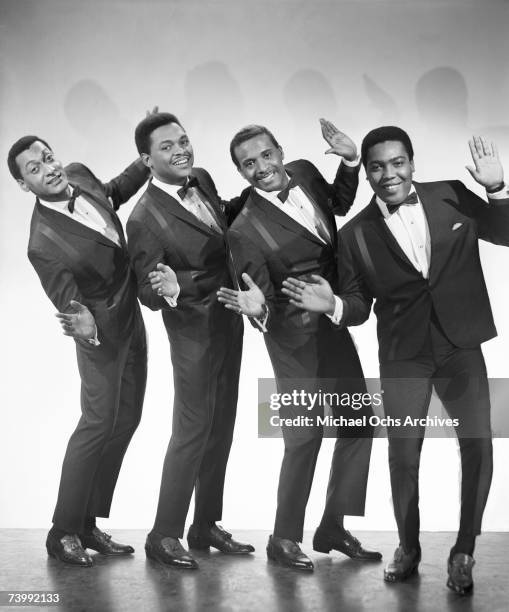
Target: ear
412,165
282,152
146,159
23,185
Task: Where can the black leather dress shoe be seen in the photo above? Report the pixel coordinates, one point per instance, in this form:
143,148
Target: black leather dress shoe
102,543
168,551
403,565
460,574
325,540
217,537
288,553
68,549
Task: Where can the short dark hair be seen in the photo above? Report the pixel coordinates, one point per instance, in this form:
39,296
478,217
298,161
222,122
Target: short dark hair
18,147
383,134
246,133
145,128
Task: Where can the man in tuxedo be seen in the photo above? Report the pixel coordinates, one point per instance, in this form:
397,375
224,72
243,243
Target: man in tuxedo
287,227
414,250
178,247
77,248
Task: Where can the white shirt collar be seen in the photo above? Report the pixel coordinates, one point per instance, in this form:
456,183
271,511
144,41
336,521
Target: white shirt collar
60,204
171,190
271,196
383,206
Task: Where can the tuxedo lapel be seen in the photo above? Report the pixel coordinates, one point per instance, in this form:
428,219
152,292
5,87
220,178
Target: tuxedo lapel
168,205
377,223
211,199
70,226
99,201
436,212
278,216
322,210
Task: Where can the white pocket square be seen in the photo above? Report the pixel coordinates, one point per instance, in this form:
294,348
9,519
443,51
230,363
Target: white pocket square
456,226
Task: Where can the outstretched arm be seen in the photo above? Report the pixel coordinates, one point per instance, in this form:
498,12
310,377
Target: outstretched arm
316,296
341,194
122,188
79,324
249,302
60,286
147,254
493,219
487,169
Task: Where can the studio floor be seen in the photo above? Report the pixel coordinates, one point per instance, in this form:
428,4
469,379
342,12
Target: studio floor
224,583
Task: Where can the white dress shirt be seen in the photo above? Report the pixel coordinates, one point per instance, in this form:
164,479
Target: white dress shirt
86,214
297,206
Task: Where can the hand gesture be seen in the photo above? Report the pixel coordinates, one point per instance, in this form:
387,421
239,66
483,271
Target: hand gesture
340,143
164,281
249,303
154,111
316,296
488,170
80,324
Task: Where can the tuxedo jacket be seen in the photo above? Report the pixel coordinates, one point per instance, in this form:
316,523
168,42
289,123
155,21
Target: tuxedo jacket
161,230
270,246
74,262
372,266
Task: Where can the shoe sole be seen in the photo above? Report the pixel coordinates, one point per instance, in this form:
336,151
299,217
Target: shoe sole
197,545
154,557
459,590
109,554
55,556
284,564
325,548
400,577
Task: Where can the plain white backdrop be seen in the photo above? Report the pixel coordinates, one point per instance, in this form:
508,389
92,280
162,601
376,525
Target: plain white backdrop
82,74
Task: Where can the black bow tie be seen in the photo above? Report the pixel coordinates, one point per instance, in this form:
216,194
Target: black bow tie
410,199
192,181
75,193
283,195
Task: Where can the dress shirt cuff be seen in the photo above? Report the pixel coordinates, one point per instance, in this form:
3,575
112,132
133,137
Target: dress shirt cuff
501,194
352,164
261,321
95,340
338,311
172,301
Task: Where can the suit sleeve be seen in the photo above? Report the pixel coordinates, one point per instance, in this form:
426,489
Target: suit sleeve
341,193
234,206
492,218
57,281
122,188
247,257
230,208
353,291
146,252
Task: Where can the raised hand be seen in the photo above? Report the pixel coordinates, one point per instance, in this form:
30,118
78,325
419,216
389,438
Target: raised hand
79,324
316,296
340,143
487,169
154,111
164,281
249,302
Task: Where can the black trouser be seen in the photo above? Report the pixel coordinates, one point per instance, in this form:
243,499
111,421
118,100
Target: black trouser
206,371
460,381
113,377
326,360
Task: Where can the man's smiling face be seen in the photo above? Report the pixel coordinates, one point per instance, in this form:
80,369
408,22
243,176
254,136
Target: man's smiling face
42,173
260,162
389,171
171,154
